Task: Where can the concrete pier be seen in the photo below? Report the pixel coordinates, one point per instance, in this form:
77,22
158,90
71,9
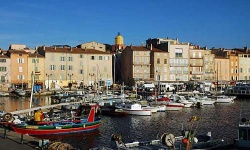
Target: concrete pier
10,140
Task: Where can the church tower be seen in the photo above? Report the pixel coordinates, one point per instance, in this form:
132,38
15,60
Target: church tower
119,44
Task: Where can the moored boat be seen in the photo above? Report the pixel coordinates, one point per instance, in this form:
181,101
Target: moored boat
59,127
135,109
113,111
224,99
174,106
20,92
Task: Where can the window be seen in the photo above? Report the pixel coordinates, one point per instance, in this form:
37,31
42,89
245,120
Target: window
193,54
36,77
52,67
70,67
158,61
81,71
20,60
165,61
20,54
3,69
2,78
241,70
178,52
106,57
62,67
2,60
35,60
62,59
20,77
20,69
92,57
199,54
81,56
100,57
70,58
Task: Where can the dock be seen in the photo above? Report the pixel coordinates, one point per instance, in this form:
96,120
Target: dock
10,140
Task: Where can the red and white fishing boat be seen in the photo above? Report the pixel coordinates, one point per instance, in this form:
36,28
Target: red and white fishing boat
174,106
170,105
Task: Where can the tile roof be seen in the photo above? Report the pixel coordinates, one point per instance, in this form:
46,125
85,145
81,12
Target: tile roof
36,55
17,52
73,50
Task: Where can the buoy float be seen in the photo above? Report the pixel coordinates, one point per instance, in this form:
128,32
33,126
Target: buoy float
8,117
184,140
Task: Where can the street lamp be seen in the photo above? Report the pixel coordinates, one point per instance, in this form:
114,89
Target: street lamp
70,84
48,75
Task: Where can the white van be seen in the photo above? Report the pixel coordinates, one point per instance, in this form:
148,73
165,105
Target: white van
149,86
165,87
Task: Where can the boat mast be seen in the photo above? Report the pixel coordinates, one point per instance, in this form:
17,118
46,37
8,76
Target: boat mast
32,85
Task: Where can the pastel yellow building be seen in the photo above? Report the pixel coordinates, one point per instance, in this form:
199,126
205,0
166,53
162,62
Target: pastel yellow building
221,67
36,71
67,65
19,68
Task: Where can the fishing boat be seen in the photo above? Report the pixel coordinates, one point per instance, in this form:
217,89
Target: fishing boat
59,127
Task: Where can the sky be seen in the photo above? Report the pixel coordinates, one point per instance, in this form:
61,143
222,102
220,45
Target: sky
211,23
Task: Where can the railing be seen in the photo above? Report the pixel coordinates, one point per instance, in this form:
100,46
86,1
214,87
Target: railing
196,65
196,57
178,65
196,72
237,92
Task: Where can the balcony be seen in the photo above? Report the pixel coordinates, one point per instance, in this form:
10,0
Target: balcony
196,65
178,65
196,72
37,72
140,63
196,57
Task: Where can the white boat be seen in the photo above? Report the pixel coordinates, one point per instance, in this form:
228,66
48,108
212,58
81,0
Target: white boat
4,94
151,108
135,109
224,99
207,101
161,108
173,106
20,92
181,99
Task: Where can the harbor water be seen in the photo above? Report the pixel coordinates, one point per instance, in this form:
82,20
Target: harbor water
220,119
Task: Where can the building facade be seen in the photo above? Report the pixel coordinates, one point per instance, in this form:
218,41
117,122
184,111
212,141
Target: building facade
135,63
93,45
67,66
